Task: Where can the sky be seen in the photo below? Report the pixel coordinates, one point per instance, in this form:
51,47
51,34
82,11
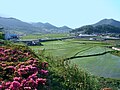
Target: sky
72,13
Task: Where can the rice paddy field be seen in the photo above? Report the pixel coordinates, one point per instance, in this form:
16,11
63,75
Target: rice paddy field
45,36
106,65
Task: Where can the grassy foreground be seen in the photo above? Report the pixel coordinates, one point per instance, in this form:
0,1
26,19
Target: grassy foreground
17,69
103,66
107,65
62,76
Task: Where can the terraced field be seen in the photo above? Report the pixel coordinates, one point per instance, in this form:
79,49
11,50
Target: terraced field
94,50
61,48
38,36
106,65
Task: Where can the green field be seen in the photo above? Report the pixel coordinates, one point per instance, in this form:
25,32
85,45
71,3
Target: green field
44,36
106,65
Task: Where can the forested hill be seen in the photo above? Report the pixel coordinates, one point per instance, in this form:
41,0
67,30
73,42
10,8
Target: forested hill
16,25
108,22
103,26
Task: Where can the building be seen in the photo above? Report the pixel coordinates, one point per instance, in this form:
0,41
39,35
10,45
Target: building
86,36
10,36
31,42
92,39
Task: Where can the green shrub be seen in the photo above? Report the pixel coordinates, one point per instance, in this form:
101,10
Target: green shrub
62,76
1,35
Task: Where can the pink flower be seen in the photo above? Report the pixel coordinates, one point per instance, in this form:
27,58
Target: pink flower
11,67
35,61
21,71
2,53
19,65
44,64
1,87
3,65
41,81
33,76
1,49
30,61
3,83
15,85
14,59
44,72
7,84
6,57
7,50
30,83
17,79
1,59
27,88
34,65
29,66
27,54
26,69
34,69
22,66
23,82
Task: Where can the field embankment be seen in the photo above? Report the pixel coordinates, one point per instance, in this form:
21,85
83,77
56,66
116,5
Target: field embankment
22,69
92,56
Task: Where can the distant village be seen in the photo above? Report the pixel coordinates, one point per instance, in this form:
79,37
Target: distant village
33,42
99,37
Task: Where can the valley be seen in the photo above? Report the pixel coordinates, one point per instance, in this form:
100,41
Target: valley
106,65
82,55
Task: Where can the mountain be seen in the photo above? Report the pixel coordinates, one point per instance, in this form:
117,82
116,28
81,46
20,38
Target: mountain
49,28
103,26
108,22
39,24
64,27
44,25
16,25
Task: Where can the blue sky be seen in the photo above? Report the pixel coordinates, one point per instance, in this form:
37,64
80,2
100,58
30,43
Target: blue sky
73,13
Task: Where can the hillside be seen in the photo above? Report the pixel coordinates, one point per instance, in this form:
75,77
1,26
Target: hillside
44,25
16,25
103,26
108,22
34,71
12,24
51,28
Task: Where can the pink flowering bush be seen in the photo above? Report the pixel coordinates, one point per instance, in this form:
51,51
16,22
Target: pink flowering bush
20,70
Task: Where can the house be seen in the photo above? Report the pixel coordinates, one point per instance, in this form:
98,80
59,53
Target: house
115,48
110,38
86,35
31,42
92,39
10,36
34,43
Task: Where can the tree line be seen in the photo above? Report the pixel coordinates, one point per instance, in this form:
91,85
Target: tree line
89,29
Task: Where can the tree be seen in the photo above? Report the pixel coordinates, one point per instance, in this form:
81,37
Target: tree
1,33
89,29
